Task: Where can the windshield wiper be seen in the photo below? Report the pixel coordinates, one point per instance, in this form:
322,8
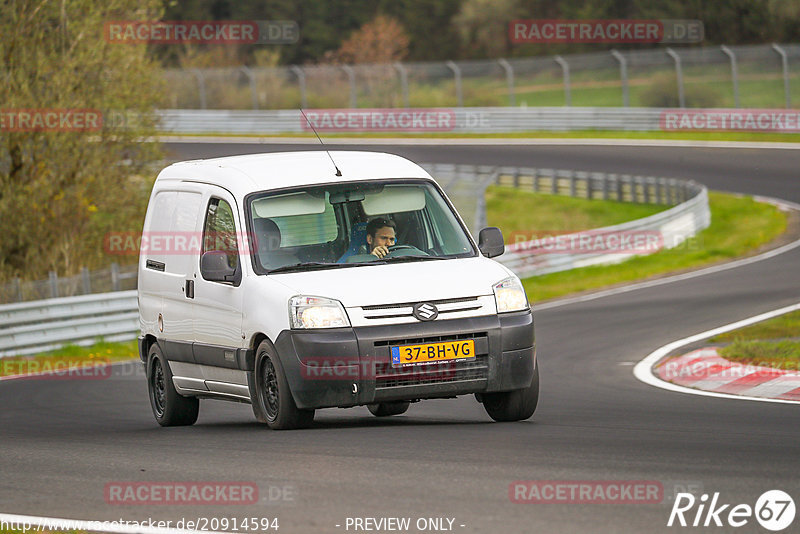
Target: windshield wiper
309,265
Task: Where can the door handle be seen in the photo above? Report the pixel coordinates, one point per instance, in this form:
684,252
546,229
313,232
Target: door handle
189,289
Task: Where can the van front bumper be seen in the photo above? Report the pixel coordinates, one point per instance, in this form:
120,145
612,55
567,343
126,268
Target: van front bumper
352,366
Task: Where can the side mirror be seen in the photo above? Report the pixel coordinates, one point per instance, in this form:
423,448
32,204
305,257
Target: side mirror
490,242
214,267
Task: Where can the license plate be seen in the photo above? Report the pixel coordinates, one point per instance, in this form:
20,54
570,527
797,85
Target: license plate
433,352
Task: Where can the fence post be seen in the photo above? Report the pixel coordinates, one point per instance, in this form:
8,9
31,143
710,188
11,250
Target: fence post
403,81
201,87
253,89
509,79
351,76
679,75
301,82
87,283
623,76
565,70
785,65
114,277
734,74
457,78
53,279
572,186
17,289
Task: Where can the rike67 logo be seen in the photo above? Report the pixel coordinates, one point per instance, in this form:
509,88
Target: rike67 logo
774,510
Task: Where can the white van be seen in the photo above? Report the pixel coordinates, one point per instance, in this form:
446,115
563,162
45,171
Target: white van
304,280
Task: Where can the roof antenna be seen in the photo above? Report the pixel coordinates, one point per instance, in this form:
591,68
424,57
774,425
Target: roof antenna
338,172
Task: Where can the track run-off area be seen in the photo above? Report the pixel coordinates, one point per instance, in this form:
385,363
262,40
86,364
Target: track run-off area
66,441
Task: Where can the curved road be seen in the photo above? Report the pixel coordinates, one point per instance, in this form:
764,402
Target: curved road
63,441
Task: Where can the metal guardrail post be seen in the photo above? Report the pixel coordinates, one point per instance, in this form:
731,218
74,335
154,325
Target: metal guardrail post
401,69
351,76
52,278
114,277
623,76
734,73
565,71
509,79
301,83
253,89
457,78
87,283
679,75
201,87
17,288
785,64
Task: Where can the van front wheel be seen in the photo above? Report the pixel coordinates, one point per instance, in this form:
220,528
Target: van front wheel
272,401
516,405
169,407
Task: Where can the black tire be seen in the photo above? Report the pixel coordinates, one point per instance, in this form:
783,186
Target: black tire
516,405
270,395
170,408
385,409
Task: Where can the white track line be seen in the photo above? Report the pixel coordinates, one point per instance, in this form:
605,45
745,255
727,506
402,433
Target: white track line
490,141
32,523
644,369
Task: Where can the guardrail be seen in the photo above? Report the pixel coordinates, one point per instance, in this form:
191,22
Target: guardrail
37,326
459,120
41,325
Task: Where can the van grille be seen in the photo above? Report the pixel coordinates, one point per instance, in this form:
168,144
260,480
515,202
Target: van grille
387,376
390,377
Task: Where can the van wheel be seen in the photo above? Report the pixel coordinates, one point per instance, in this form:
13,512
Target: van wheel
272,401
169,407
385,409
516,405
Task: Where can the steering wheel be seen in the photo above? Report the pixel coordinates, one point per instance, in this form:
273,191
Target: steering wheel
404,250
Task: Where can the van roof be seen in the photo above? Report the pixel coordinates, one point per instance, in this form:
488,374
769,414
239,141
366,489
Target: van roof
277,170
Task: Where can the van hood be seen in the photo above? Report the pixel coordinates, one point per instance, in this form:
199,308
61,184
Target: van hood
404,282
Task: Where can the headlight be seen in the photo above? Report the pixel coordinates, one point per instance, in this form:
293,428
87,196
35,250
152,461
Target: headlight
316,312
510,296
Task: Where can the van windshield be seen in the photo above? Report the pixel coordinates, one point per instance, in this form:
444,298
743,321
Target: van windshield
361,223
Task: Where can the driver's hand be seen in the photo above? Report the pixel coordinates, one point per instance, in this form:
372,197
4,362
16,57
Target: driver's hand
380,251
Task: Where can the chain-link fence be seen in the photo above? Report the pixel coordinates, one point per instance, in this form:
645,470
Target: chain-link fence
114,278
759,76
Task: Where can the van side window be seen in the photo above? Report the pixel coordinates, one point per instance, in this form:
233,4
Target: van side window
219,231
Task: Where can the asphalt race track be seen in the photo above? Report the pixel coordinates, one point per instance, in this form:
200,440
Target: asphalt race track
64,440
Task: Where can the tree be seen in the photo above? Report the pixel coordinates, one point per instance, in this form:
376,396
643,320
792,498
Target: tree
62,189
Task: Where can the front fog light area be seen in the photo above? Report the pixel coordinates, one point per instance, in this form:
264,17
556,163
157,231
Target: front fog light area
316,312
510,296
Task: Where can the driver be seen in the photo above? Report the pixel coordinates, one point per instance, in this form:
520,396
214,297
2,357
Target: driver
380,236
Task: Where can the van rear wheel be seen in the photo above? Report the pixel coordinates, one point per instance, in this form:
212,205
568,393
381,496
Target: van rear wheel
170,408
385,409
270,395
516,405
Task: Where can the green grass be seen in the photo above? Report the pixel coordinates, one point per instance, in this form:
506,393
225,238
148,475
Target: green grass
787,325
523,215
69,356
762,343
739,225
780,354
